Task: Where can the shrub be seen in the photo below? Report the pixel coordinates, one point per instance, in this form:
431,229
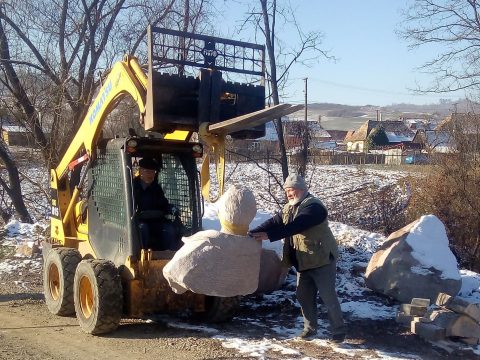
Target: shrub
452,191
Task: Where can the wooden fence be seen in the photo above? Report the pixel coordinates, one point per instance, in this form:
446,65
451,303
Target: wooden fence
327,158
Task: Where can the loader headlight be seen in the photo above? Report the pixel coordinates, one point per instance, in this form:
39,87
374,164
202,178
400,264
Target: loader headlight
132,146
197,150
132,143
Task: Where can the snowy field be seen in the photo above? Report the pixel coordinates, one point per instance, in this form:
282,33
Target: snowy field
356,247
331,183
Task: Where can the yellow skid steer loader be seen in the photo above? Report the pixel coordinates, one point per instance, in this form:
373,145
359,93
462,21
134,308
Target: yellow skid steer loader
95,263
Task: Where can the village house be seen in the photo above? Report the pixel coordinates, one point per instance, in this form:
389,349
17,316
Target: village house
432,141
339,137
397,133
293,134
415,124
14,135
320,139
462,131
254,148
466,122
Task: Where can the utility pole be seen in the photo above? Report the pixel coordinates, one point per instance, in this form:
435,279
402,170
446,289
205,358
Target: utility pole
304,159
306,98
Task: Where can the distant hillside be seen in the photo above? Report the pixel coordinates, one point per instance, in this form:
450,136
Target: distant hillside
348,117
442,108
338,110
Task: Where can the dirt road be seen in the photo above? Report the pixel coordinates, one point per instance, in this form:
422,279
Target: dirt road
29,332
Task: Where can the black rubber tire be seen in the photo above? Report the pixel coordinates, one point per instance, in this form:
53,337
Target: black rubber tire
58,275
220,309
98,296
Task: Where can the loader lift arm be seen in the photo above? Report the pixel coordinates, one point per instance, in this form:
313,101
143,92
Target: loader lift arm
126,77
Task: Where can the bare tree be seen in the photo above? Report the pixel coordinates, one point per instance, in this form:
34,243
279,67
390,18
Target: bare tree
51,52
297,141
455,27
305,135
265,17
12,186
451,190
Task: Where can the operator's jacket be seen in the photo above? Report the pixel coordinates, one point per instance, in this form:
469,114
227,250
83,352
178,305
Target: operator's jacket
309,242
151,197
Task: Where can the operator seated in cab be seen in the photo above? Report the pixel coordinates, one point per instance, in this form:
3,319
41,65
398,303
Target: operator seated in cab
156,231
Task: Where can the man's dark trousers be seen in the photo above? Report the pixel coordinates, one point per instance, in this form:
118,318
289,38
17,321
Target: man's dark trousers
321,279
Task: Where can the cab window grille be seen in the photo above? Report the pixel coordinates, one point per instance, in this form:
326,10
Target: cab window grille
107,190
174,181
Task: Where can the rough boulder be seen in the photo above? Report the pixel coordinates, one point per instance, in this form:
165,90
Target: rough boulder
216,264
220,263
272,272
415,262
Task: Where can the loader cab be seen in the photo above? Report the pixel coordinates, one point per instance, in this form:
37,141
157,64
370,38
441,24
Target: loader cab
113,216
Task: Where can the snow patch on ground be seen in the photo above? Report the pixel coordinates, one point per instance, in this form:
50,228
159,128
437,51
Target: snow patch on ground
356,247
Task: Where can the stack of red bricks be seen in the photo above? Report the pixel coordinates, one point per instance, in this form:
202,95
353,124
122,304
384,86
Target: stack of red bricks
451,319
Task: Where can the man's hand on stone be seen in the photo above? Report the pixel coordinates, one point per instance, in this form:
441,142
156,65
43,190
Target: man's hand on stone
259,236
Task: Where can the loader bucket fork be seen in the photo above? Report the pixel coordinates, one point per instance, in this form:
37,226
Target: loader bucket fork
178,104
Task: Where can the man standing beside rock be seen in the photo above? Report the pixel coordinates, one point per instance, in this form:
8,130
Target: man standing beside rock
312,249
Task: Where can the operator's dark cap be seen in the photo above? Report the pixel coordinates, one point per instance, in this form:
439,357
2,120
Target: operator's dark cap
148,163
295,181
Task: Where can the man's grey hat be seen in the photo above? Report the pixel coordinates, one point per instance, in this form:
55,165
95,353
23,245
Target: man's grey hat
295,181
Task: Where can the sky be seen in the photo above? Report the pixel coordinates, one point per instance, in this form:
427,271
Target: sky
374,65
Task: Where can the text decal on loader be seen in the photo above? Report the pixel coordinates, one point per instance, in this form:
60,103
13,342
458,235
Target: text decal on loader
55,212
101,101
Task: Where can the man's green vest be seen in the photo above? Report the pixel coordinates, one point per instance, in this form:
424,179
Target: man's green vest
313,246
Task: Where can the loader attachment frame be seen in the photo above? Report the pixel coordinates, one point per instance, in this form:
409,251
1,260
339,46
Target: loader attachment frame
178,103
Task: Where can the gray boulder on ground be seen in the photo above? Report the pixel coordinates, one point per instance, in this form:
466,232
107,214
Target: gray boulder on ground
272,272
415,262
28,250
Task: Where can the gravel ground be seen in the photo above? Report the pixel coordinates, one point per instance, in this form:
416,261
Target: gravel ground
29,331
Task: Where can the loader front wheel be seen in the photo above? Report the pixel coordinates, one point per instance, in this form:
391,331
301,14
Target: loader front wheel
58,276
220,309
98,296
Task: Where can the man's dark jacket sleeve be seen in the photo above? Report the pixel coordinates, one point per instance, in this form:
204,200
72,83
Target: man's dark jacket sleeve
309,216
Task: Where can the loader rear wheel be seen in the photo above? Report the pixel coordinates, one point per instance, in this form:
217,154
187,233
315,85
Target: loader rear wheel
98,296
220,309
58,276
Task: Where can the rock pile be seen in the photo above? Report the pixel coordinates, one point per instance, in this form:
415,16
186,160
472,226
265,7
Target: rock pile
450,318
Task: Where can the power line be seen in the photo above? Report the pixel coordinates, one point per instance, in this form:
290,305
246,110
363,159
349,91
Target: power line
374,90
